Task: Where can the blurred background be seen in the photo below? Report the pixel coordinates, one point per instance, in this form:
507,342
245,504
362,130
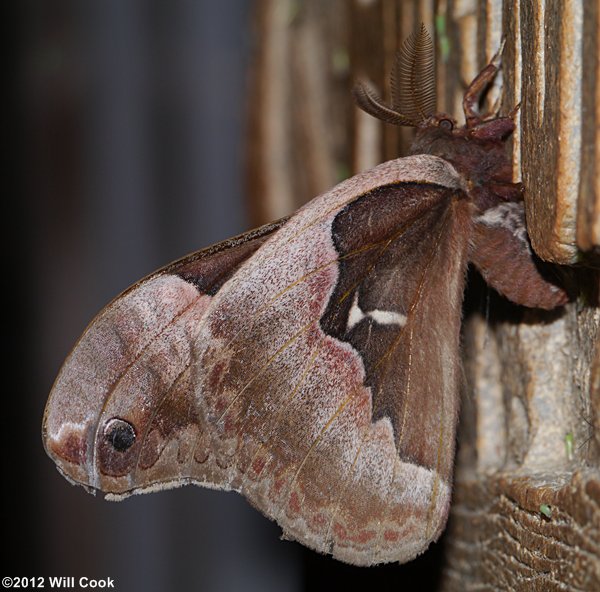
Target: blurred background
127,147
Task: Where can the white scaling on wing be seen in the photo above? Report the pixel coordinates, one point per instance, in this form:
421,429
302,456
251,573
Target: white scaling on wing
356,315
381,317
387,317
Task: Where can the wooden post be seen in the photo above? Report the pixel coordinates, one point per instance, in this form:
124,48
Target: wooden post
526,510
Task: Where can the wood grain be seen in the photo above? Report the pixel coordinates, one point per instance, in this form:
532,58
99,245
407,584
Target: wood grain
501,541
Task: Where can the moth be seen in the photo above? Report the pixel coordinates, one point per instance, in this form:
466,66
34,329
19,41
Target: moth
313,364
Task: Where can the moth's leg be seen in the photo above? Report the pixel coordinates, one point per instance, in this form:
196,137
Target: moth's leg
507,191
476,88
495,192
498,128
495,129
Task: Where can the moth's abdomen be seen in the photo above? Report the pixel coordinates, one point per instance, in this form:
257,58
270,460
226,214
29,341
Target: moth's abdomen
502,253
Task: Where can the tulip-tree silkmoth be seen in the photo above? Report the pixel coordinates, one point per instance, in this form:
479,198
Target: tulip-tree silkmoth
313,364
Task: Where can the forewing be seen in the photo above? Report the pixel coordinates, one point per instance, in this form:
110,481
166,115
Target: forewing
312,366
132,365
328,366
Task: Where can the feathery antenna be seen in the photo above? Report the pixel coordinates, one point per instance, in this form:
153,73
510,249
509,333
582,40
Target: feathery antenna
412,83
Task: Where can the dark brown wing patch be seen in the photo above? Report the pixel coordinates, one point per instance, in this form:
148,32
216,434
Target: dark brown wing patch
378,302
210,268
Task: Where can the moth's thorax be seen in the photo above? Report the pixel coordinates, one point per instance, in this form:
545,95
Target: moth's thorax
478,153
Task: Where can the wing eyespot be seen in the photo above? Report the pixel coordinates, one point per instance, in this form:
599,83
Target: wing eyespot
120,434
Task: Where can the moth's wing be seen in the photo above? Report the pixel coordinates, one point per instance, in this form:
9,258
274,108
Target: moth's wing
320,380
137,352
501,252
328,366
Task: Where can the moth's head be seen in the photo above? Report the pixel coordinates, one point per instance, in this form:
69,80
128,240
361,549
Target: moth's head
120,407
476,149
